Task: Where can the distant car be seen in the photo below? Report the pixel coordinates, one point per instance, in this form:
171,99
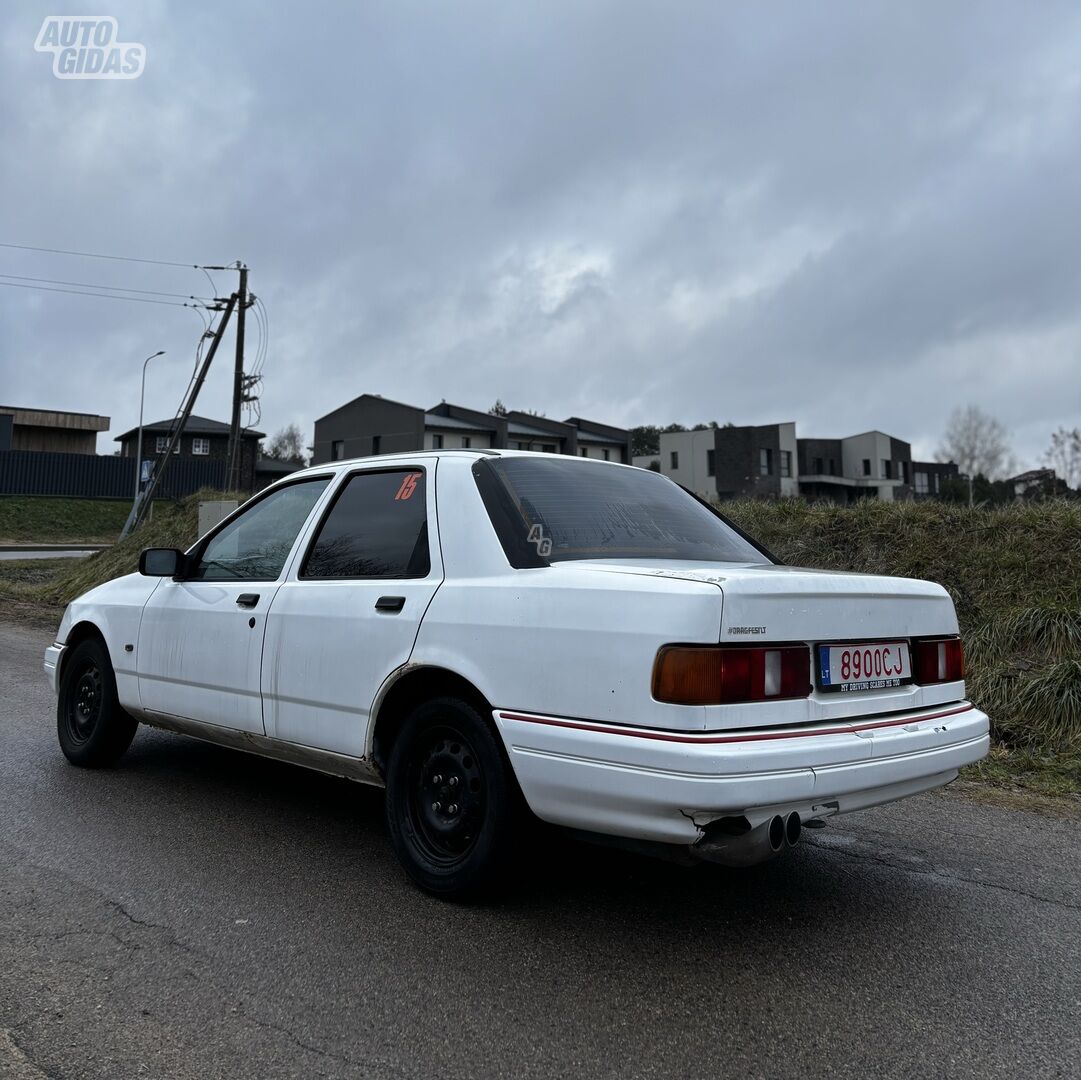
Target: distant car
489,631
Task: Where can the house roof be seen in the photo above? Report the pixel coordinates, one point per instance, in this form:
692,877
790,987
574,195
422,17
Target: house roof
196,425
452,423
55,418
516,428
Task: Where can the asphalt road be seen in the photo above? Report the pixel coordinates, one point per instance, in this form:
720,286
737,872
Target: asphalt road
198,912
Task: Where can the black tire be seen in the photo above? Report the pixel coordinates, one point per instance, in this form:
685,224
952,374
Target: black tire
453,808
92,727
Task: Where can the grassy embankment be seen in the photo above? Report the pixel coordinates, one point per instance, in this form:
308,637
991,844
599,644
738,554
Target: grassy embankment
1014,574
26,519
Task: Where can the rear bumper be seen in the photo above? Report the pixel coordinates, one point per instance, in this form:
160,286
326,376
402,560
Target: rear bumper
663,786
52,664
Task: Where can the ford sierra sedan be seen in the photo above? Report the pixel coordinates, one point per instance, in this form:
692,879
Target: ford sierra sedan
499,636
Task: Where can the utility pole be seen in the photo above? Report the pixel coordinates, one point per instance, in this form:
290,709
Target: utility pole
142,500
233,473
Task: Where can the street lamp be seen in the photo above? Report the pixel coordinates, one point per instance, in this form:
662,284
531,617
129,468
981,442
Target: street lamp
139,441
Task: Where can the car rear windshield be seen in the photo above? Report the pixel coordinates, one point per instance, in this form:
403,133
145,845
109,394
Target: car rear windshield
550,509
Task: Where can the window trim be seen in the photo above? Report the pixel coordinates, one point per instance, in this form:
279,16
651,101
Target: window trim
336,493
194,554
200,440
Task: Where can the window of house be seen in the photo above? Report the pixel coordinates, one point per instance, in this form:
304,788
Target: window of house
337,450
786,462
548,448
161,444
437,442
922,486
467,442
377,527
377,444
816,466
711,463
583,451
937,478
765,462
255,545
833,467
200,446
607,455
674,457
866,466
887,469
904,471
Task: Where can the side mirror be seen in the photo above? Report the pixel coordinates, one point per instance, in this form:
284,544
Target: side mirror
161,562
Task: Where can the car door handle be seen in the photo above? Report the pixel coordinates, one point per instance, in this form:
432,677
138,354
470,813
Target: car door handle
247,599
390,603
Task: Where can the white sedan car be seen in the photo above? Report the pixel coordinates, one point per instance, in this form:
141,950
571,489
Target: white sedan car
494,633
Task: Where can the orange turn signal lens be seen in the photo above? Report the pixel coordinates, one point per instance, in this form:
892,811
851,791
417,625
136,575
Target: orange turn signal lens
725,675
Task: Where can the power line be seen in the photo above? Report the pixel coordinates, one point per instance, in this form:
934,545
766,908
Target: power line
110,288
97,255
99,295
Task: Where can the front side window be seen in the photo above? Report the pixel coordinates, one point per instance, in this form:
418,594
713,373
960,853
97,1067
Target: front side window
548,510
674,459
711,463
255,545
765,462
200,446
866,466
786,462
337,449
377,527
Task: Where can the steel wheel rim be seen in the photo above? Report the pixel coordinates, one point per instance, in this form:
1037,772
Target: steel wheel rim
446,796
84,702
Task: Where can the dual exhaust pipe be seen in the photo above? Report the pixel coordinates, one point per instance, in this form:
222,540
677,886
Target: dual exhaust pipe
733,841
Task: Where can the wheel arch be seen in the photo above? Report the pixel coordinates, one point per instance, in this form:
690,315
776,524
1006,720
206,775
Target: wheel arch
84,630
406,689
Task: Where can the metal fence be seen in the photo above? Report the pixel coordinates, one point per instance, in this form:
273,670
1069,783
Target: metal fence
28,472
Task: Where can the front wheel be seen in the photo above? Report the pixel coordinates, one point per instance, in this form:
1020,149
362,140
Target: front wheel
92,727
453,809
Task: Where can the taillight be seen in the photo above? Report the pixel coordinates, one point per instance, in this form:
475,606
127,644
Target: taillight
937,660
720,675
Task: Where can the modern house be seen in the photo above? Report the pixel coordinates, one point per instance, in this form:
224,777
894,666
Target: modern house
769,461
201,440
370,425
49,430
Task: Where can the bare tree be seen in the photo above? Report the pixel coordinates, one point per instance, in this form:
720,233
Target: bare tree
1064,456
978,443
286,444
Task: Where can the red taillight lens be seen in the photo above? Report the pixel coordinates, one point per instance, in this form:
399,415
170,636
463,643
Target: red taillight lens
716,675
938,660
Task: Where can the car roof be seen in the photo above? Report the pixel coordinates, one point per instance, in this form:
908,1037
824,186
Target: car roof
454,453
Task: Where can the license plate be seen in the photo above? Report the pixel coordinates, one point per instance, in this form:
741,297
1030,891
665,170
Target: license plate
847,669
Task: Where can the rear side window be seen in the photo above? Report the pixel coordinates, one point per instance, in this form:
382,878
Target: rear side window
377,527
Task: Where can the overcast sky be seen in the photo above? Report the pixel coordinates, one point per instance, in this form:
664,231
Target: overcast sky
851,216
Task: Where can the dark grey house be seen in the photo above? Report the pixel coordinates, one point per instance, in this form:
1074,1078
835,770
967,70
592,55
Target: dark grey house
370,425
201,440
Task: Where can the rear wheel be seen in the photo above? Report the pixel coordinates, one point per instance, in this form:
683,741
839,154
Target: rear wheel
453,809
92,727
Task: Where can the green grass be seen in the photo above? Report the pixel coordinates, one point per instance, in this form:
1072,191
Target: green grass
37,519
40,588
